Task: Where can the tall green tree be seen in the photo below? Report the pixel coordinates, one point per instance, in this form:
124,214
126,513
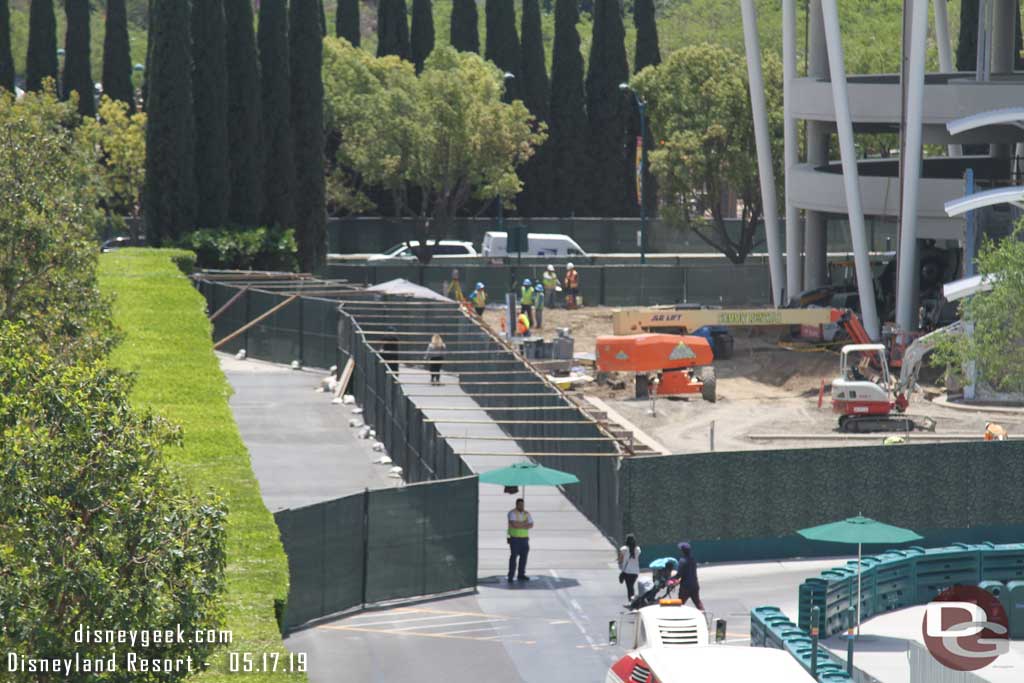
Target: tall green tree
210,85
347,21
392,29
534,88
465,33
244,104
422,32
6,58
279,161
648,53
568,117
117,57
169,196
307,117
41,61
503,42
77,67
608,114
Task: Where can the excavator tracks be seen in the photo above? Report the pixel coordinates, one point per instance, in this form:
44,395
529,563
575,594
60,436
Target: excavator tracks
870,424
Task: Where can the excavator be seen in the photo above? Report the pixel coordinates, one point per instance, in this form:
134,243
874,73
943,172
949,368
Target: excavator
868,399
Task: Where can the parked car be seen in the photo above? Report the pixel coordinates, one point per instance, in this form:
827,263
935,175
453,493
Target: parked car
537,244
403,251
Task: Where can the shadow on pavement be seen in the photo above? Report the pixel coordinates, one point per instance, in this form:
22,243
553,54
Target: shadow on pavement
542,582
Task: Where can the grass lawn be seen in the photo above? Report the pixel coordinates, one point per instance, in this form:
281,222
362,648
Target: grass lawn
167,343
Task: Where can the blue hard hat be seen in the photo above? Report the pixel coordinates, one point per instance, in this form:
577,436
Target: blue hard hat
480,285
527,282
539,287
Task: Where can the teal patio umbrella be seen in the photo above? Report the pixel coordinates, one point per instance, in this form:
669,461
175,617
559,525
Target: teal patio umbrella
528,474
859,530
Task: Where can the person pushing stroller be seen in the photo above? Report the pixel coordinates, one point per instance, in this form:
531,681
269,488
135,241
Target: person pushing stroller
660,586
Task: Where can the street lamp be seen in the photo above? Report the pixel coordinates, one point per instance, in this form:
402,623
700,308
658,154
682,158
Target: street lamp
138,69
60,73
506,77
642,106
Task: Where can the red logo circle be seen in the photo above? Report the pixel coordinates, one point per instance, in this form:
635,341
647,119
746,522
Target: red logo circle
966,628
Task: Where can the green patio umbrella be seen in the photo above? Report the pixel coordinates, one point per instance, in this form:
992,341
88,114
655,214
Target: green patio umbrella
528,474
859,530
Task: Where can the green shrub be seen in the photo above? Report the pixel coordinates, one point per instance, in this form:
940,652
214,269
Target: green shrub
249,249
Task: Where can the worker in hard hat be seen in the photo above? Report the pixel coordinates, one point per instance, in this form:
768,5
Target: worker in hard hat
526,297
479,298
572,286
550,281
523,323
538,305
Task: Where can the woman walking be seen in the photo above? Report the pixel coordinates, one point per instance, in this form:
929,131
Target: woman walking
629,565
435,358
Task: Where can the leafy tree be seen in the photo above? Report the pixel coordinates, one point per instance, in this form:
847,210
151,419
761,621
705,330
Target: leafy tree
465,35
6,58
169,197
607,112
307,118
117,58
41,62
647,54
210,88
392,29
279,160
446,132
503,42
536,173
568,118
996,345
244,104
699,112
94,530
118,139
347,21
422,32
77,70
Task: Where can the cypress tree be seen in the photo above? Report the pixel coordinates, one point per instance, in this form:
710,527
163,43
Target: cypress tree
534,89
307,116
392,29
6,58
422,32
567,140
279,162
347,21
77,67
117,57
210,85
41,61
465,35
244,154
607,113
647,54
169,195
503,42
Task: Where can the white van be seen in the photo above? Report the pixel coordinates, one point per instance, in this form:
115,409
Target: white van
538,244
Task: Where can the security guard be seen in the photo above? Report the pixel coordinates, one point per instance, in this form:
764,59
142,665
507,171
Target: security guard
526,299
519,524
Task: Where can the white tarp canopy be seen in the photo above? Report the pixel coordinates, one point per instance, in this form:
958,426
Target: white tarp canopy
402,287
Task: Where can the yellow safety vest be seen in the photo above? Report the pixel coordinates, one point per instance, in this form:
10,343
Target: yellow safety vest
526,296
520,533
479,298
550,280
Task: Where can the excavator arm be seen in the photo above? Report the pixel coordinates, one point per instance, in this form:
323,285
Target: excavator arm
916,352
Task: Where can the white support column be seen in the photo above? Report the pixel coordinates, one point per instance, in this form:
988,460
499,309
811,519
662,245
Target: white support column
906,286
945,54
818,133
764,150
794,243
851,178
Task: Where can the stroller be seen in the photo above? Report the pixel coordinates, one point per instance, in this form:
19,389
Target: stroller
650,592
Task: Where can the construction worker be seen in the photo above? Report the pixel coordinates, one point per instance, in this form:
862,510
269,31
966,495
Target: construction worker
538,305
523,323
519,524
572,286
526,299
479,298
453,289
550,281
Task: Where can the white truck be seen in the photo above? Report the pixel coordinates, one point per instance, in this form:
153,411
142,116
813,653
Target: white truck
669,643
494,245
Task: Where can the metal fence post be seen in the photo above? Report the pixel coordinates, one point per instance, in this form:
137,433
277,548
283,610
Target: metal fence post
302,355
366,541
248,317
602,270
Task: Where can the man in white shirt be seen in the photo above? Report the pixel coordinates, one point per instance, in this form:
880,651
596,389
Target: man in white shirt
519,524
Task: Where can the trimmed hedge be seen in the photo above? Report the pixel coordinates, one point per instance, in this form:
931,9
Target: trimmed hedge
167,342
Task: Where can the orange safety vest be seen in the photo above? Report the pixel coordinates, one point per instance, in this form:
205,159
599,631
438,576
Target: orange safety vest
523,324
572,279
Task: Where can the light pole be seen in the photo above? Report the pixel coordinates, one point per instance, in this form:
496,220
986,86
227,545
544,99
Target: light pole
60,73
506,77
139,70
641,105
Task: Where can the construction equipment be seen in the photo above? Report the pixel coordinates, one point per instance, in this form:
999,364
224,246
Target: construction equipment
866,396
682,364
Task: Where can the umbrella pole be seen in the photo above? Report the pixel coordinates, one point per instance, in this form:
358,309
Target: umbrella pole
858,588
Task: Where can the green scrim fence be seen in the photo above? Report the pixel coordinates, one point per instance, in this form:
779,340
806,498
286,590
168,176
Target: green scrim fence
379,546
748,505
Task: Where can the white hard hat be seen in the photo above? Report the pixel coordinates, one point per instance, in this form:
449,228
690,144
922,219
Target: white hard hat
570,266
550,267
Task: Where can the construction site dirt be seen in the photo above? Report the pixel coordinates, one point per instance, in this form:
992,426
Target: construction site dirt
766,391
